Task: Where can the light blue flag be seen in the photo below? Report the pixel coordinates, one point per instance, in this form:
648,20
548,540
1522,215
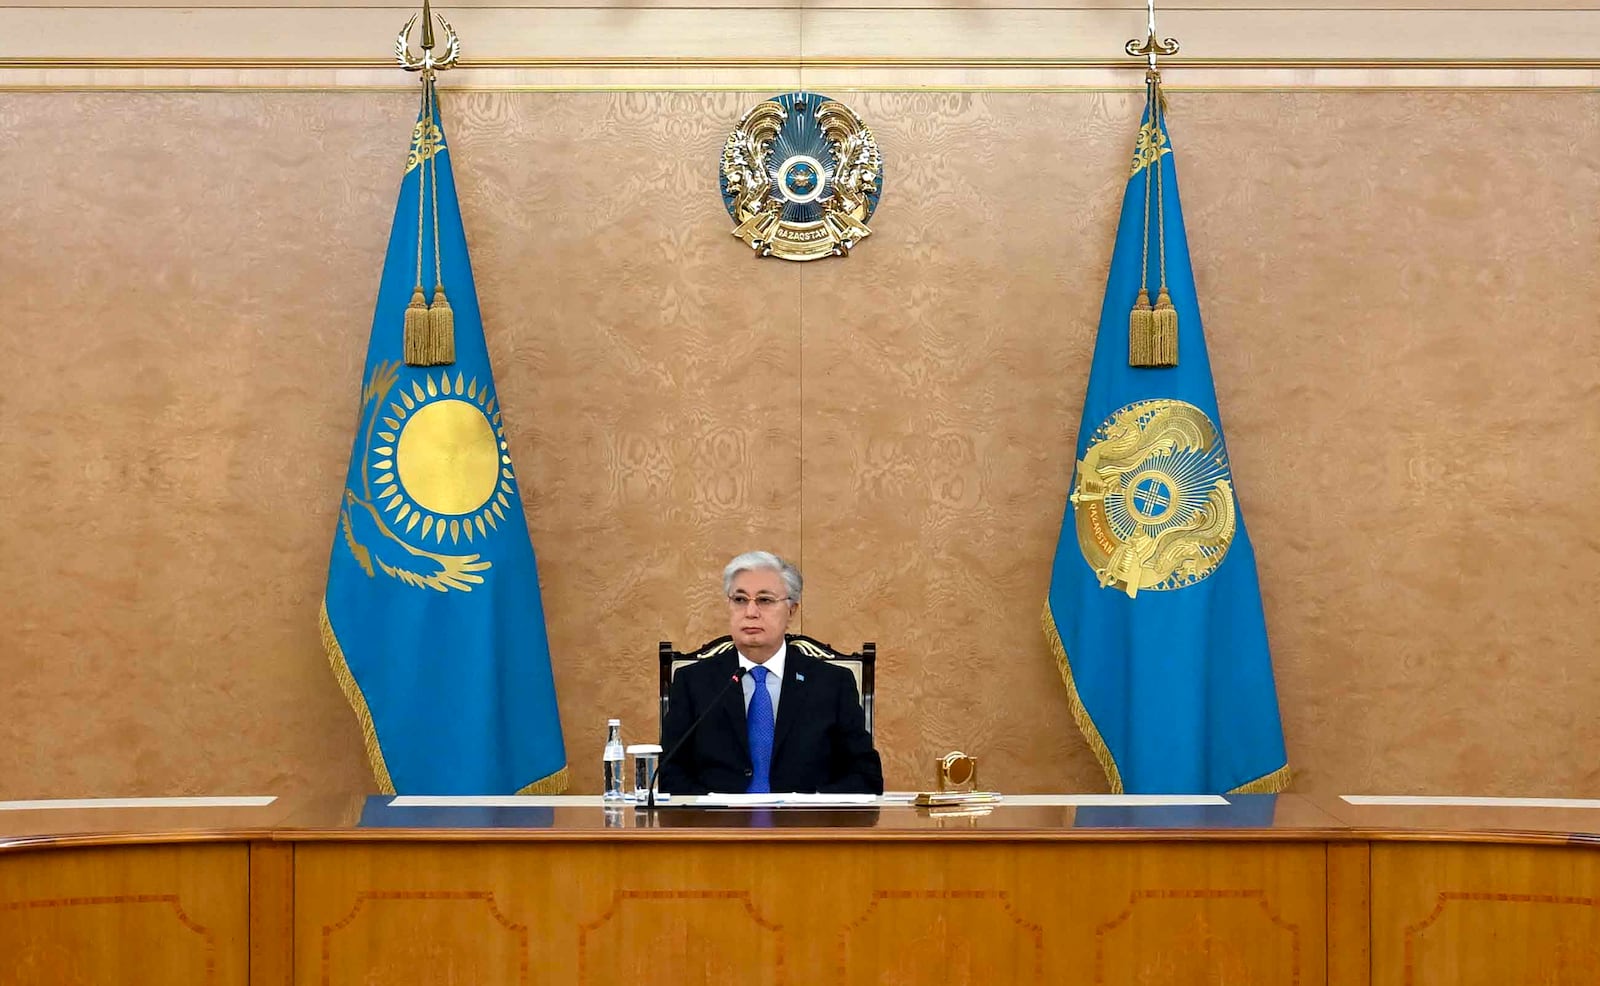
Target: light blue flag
432,618
1154,613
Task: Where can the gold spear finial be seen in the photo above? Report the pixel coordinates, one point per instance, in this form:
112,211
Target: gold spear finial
1150,47
428,63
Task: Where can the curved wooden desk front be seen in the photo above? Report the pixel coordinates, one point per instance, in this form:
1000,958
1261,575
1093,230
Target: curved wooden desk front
1277,892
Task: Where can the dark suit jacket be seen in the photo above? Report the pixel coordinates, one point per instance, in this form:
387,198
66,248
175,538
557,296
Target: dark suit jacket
820,741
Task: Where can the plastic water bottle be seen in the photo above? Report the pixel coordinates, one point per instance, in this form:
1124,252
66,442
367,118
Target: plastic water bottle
612,760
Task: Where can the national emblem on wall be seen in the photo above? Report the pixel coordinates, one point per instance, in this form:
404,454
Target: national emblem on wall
801,175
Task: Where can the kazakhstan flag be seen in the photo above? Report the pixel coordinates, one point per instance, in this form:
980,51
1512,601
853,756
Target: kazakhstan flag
1154,613
432,619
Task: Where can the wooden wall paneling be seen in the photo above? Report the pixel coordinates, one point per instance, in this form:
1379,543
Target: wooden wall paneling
750,907
1349,906
443,913
125,915
749,911
1225,913
271,914
1484,915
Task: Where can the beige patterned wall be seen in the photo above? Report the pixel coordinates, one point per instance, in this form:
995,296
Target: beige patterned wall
1399,290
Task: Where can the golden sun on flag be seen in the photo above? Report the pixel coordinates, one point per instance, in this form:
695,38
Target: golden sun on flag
442,464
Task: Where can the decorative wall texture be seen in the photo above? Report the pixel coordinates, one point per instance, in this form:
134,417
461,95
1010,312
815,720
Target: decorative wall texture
1398,289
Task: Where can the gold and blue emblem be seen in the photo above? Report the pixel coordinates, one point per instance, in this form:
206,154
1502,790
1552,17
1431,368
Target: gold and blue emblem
801,175
1152,499
435,478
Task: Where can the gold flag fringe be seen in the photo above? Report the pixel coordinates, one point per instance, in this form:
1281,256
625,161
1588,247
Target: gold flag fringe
1080,715
358,702
556,783
1276,782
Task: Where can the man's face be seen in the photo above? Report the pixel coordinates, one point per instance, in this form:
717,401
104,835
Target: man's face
758,612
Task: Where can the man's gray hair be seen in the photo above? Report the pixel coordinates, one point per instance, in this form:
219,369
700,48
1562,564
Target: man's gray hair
752,560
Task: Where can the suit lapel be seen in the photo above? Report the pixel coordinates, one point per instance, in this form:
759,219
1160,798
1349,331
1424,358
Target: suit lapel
792,697
733,701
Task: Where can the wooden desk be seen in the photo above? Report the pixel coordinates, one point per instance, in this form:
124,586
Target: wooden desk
1277,892
149,895
1480,895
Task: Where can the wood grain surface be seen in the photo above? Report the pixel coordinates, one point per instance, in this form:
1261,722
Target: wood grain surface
130,915
891,895
617,910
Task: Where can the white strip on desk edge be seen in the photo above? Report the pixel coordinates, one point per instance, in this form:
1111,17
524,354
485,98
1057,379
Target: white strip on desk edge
1423,801
500,801
890,799
1113,800
75,803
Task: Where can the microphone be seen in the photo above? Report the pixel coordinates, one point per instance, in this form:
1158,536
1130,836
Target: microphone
655,778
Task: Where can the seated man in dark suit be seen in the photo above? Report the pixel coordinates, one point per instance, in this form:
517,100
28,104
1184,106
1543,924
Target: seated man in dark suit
793,723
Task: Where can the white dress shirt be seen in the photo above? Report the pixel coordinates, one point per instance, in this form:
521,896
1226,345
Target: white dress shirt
774,668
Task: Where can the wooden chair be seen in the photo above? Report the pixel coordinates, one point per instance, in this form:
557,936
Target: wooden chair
862,664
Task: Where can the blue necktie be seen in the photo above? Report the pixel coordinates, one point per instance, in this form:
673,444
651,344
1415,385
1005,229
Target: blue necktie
759,723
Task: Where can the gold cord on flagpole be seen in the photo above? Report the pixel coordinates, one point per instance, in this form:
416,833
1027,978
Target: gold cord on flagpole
1153,331
1164,319
1139,320
416,322
429,329
441,320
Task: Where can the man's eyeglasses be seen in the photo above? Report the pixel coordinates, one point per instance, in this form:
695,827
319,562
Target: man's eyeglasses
764,603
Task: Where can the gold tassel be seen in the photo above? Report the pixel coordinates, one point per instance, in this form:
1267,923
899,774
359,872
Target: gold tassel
442,329
416,338
1164,332
1139,331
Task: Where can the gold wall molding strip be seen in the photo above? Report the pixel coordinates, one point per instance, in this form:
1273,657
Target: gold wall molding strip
1176,65
762,73
758,88
796,32
1133,9
334,90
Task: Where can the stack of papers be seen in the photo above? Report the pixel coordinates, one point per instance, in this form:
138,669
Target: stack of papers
932,799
